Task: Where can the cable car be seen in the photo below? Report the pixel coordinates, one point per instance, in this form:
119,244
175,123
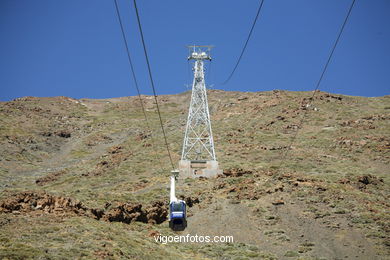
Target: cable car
177,215
177,209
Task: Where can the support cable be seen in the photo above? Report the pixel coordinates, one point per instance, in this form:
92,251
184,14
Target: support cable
246,43
319,81
152,82
135,79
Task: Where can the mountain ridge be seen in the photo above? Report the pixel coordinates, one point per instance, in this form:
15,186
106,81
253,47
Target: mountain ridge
325,199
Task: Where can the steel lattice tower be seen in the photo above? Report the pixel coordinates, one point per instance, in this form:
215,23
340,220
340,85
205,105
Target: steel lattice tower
198,140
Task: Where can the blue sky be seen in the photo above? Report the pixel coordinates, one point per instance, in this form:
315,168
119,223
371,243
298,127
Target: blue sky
74,48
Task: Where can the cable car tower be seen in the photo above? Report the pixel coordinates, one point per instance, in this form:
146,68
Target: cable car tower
198,154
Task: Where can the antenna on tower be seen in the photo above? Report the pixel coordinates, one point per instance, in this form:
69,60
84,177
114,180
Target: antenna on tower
198,155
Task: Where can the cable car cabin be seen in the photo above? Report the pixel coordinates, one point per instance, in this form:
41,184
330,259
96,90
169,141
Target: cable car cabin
177,215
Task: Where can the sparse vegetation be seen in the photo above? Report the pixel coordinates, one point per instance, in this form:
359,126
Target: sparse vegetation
326,199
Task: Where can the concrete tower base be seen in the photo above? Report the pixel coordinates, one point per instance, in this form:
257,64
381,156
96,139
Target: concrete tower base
196,169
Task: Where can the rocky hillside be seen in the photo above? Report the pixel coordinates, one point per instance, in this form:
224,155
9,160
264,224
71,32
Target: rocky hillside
88,178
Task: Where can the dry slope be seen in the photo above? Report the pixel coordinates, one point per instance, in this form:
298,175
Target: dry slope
87,179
